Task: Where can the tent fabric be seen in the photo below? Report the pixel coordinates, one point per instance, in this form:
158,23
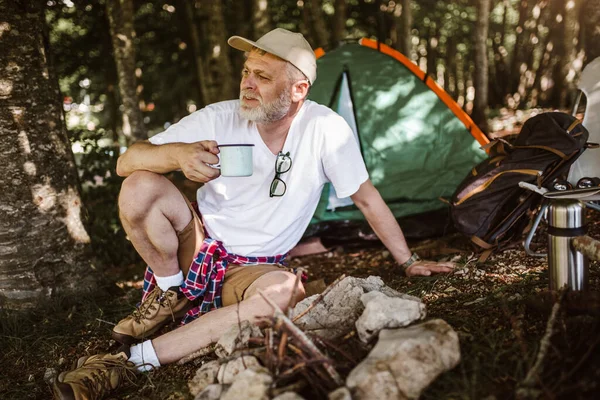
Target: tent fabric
418,144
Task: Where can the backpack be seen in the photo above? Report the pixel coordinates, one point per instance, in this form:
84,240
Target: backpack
489,206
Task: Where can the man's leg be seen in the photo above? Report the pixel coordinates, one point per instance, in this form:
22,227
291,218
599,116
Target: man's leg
207,329
166,233
152,212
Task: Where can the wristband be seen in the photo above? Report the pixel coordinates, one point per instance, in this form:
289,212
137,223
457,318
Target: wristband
413,259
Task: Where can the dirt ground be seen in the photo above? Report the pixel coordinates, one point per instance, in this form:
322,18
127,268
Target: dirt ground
499,309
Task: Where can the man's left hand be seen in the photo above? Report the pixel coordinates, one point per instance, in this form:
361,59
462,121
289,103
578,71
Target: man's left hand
426,268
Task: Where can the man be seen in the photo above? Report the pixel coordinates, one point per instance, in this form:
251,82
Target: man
230,247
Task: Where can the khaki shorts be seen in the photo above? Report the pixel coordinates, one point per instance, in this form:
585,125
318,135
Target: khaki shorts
237,278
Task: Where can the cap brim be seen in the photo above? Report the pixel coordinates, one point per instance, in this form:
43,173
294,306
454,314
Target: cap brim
243,44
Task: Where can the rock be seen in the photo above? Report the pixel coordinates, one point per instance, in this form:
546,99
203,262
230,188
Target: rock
212,392
336,314
250,385
288,396
341,393
383,312
405,361
228,371
236,338
205,375
50,375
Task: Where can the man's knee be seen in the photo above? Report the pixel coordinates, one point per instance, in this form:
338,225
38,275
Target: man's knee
279,287
138,191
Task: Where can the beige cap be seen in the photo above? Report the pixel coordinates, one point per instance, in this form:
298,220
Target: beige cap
284,44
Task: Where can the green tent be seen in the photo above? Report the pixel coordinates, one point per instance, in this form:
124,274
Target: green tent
418,144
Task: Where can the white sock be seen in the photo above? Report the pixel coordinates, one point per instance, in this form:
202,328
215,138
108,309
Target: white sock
144,357
166,282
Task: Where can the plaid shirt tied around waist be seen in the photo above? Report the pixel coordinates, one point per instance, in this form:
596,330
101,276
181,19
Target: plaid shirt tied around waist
206,275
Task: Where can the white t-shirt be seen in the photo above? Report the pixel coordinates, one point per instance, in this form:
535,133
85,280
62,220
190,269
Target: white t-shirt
238,210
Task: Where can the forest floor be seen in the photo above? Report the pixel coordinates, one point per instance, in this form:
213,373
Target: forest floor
500,310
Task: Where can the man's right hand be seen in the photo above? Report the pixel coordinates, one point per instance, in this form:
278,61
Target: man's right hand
194,157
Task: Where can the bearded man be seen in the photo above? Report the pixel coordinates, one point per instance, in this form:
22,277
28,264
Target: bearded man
224,249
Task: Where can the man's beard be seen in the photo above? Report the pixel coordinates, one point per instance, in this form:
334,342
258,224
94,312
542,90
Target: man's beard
265,113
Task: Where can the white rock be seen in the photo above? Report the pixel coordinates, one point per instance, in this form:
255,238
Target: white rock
205,375
336,314
288,396
383,312
249,385
405,361
235,338
212,392
341,393
228,371
50,375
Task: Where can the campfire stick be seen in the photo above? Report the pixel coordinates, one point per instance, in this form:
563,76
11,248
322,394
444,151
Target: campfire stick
268,344
327,343
241,353
293,296
302,338
525,388
588,246
318,299
202,352
294,387
291,371
282,346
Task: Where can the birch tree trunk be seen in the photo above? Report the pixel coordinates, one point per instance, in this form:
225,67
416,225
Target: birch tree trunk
43,242
120,18
481,65
261,20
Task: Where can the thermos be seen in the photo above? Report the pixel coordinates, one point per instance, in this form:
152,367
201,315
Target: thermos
567,266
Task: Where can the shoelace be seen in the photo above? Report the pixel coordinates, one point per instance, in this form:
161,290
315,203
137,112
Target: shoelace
156,296
99,382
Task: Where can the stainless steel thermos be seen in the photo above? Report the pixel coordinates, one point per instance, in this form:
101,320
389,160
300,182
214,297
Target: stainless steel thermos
567,267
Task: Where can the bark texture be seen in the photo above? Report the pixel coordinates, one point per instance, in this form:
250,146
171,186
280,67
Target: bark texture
590,12
339,22
219,66
43,241
261,19
481,64
587,246
120,17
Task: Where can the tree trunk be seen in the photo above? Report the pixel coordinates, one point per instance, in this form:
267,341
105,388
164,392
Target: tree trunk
190,14
43,242
120,17
219,64
432,43
590,12
403,28
518,53
261,20
559,54
481,65
318,25
339,22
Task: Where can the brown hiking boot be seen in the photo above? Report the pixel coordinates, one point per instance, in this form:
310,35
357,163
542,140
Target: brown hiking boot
94,377
157,310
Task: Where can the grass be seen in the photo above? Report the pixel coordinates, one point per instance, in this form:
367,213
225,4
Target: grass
498,310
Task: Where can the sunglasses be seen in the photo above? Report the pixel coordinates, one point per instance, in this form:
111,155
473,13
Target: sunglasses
283,163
